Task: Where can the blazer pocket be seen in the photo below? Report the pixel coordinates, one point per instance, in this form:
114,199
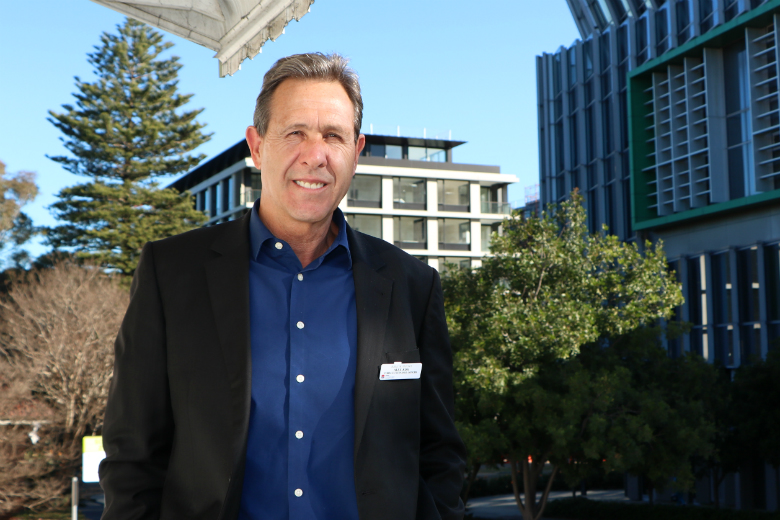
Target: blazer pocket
406,356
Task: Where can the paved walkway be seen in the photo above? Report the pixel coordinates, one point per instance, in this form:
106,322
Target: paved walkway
504,507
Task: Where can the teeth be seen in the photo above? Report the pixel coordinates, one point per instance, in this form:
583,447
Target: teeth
310,185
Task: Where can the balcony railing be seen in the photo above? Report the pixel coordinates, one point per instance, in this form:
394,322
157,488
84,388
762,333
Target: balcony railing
500,208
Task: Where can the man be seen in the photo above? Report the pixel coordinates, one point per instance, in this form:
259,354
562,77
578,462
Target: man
257,368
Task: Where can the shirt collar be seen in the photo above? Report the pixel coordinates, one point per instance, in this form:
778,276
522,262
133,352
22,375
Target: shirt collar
258,233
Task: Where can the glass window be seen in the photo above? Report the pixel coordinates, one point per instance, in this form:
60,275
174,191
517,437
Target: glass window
675,346
487,234
409,232
683,12
453,195
723,314
731,9
453,262
641,40
738,127
661,31
376,150
206,195
368,224
748,287
225,184
706,15
421,153
231,189
365,191
454,233
772,268
587,55
408,193
696,298
219,199
393,151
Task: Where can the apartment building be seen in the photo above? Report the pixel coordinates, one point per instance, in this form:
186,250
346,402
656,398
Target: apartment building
406,191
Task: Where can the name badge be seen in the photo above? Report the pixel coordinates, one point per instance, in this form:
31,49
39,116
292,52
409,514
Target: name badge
400,370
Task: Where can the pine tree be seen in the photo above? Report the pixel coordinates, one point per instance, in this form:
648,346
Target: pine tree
126,133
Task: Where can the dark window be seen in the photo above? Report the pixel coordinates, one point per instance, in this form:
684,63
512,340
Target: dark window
682,8
772,269
731,9
661,31
706,15
722,315
674,346
619,9
641,40
748,287
738,132
587,55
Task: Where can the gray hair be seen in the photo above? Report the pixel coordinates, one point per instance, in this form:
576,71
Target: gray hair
317,66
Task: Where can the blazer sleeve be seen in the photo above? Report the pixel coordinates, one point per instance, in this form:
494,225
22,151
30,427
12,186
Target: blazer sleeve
138,427
442,453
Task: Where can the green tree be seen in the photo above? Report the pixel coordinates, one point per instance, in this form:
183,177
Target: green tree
15,226
550,289
125,132
667,416
757,422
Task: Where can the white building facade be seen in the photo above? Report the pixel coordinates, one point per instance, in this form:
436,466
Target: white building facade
406,191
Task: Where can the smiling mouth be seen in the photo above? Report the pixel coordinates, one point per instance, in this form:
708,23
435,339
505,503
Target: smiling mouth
310,185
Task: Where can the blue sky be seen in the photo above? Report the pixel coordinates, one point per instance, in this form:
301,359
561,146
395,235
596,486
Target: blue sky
434,64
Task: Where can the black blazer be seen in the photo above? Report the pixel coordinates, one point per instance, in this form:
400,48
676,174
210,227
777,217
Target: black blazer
178,408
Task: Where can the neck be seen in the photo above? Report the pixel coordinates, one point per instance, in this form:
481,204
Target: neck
307,240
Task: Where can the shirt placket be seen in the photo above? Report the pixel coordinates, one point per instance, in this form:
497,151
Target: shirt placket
298,440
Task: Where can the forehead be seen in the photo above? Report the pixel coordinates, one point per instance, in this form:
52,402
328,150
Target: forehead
308,97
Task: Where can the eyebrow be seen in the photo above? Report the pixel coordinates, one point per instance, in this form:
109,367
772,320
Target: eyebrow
329,128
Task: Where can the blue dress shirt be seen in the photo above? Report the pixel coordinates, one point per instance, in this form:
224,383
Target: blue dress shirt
303,324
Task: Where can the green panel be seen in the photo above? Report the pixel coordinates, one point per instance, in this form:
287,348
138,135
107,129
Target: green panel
639,146
640,79
723,207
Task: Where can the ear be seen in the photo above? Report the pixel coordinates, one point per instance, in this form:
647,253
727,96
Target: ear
361,143
255,142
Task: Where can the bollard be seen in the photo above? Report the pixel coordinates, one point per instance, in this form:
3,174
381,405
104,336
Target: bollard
74,490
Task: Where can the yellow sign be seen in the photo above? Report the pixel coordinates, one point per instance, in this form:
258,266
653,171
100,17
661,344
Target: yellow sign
92,444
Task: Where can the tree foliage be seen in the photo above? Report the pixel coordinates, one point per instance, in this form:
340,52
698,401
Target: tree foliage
125,132
57,329
549,290
15,226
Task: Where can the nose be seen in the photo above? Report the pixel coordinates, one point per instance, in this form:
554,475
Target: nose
314,153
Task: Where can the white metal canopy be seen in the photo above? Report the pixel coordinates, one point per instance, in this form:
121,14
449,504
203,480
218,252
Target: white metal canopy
235,29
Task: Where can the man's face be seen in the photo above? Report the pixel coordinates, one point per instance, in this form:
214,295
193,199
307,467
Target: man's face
308,155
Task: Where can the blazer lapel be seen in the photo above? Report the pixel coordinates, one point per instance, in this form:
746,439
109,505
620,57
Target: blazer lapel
372,298
228,285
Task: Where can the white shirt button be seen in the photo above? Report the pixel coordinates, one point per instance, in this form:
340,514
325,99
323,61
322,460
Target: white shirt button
300,324
278,245
300,277
300,378
299,492
299,434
